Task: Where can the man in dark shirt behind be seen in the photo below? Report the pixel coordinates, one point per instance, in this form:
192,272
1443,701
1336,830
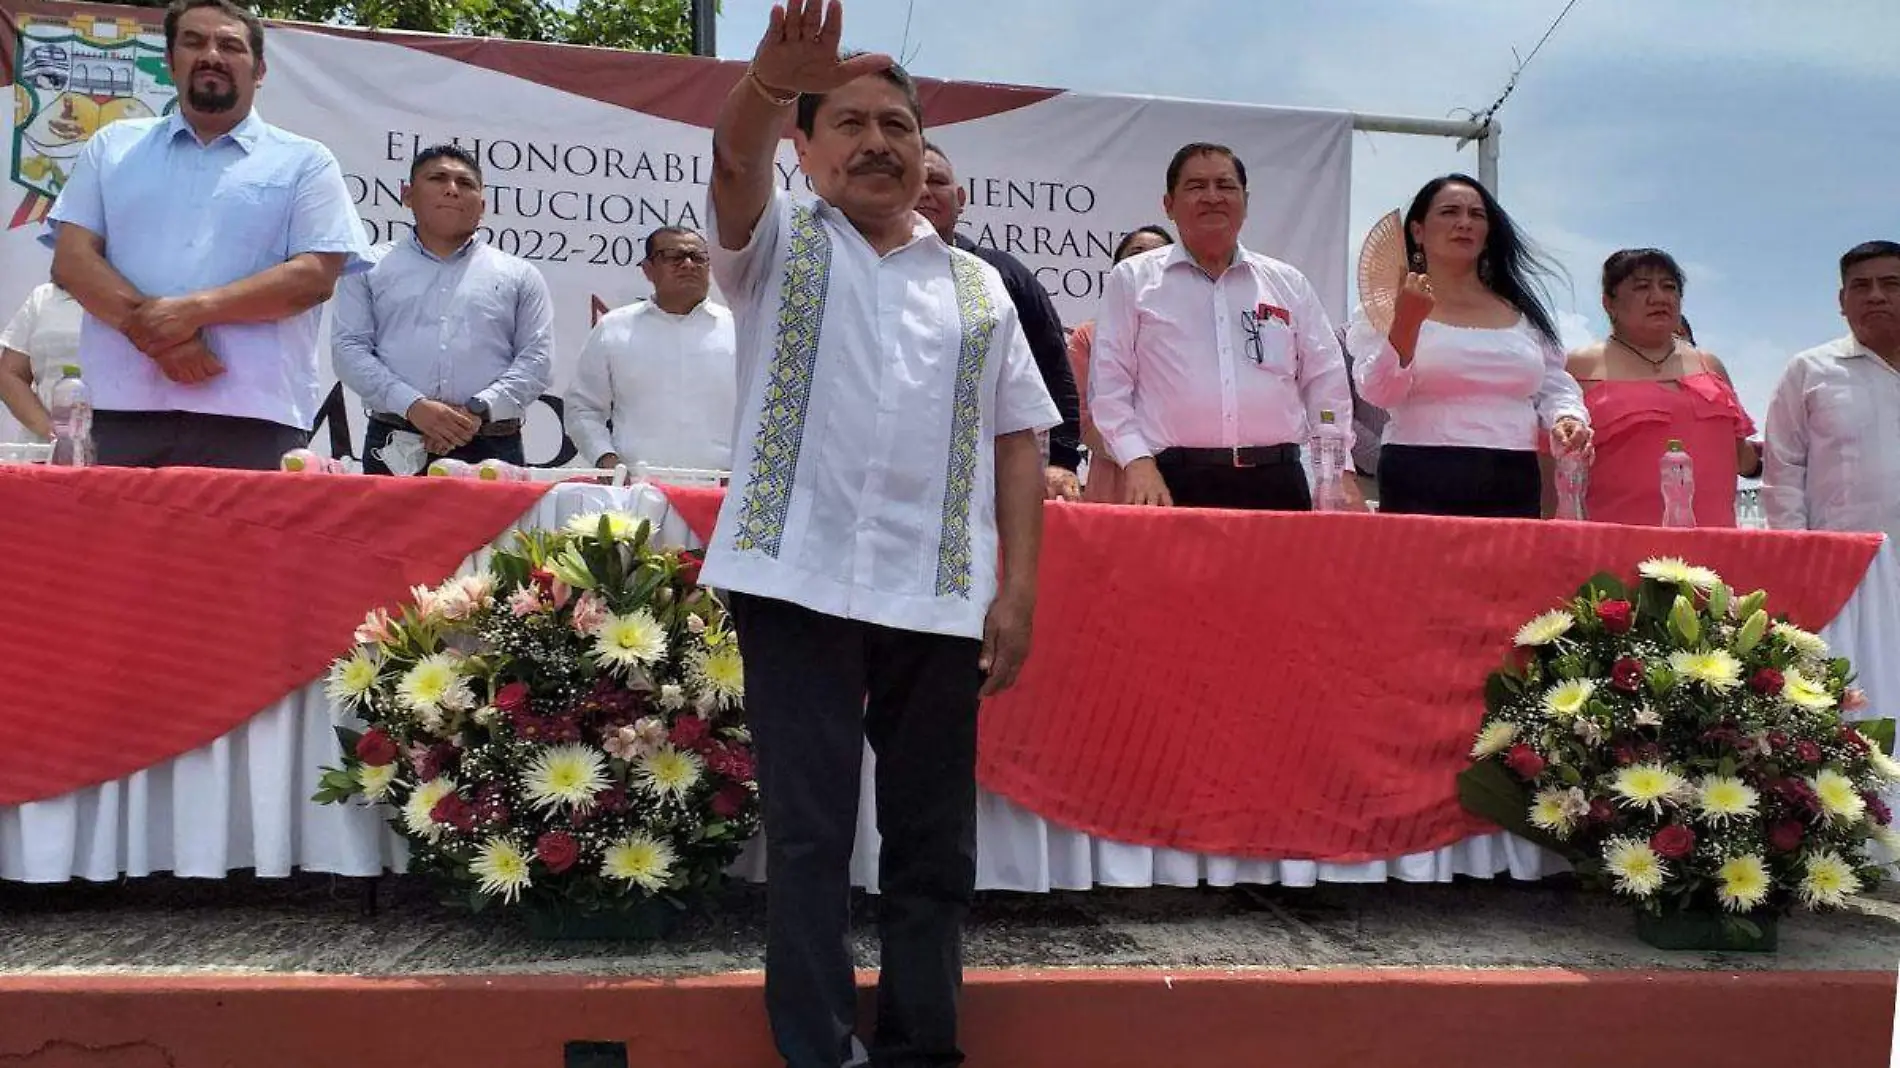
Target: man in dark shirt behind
942,203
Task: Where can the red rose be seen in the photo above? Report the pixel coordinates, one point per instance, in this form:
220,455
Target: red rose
1627,675
1616,616
690,563
1673,842
612,799
731,800
1601,811
1525,761
558,850
1766,681
1807,752
454,812
691,732
1624,752
1786,835
513,699
376,748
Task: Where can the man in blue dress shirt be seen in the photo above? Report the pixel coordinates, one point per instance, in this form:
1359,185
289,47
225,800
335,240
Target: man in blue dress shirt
447,339
202,246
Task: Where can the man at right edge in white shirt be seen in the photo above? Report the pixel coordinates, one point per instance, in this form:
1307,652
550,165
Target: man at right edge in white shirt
1212,363
1832,450
879,541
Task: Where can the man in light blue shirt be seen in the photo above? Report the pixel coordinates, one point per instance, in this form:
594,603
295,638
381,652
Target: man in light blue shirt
202,246
447,339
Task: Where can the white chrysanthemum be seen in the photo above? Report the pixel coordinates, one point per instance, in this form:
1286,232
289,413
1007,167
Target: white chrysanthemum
352,679
1555,809
1546,628
1717,669
1567,698
1829,880
1638,870
620,525
640,859
1840,801
719,671
1647,786
1647,716
435,682
1888,838
1802,692
672,697
415,811
502,868
1742,883
1678,571
668,772
1721,798
1495,738
1807,643
1883,765
565,775
375,781
629,640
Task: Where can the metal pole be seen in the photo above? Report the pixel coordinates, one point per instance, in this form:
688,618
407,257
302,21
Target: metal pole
704,43
1488,158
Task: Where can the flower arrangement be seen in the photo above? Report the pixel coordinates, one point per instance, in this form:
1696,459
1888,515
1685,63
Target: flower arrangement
562,731
1685,749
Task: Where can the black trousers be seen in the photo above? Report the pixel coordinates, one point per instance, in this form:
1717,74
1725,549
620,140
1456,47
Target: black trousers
191,439
817,687
1448,480
1279,487
478,449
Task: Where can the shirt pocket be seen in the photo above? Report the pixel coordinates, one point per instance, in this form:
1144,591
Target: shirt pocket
1269,346
485,318
253,214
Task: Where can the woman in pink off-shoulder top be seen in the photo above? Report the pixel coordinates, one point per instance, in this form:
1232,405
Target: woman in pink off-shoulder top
1647,386
1105,477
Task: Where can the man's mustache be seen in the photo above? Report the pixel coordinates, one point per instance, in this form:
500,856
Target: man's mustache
878,165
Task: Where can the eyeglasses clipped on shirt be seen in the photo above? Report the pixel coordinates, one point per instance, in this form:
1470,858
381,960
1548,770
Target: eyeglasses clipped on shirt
674,257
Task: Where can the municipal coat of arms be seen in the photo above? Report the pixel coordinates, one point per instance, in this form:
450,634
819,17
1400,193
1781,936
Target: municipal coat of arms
73,75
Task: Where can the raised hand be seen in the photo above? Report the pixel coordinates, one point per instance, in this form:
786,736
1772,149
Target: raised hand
799,53
1415,301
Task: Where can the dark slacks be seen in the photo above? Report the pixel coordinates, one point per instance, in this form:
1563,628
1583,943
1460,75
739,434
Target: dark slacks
1448,480
1279,487
817,686
479,448
189,439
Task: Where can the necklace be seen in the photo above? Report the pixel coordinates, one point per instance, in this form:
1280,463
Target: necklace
1655,364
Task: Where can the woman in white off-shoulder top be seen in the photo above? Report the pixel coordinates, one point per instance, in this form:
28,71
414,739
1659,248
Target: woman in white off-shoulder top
1471,373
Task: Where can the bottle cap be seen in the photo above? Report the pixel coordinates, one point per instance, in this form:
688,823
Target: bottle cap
1326,416
1675,444
69,370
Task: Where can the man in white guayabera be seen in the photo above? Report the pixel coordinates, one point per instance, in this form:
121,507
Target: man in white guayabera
885,458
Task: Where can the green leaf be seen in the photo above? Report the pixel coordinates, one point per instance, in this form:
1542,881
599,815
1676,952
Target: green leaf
348,738
1497,693
1604,586
1654,600
1486,789
1880,732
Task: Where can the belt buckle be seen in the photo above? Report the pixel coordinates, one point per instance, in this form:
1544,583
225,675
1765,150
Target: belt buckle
1234,452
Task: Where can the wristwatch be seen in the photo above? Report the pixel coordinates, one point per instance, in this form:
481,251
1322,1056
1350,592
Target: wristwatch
478,408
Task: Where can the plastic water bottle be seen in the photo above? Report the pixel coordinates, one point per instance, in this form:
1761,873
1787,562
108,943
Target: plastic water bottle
1329,464
307,462
448,468
1573,483
499,471
1678,487
72,420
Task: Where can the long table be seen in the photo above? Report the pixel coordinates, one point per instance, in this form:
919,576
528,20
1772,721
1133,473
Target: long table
1140,749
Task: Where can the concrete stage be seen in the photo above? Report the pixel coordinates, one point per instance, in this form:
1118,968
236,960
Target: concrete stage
164,973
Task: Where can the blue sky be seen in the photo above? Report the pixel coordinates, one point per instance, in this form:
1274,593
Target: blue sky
1754,139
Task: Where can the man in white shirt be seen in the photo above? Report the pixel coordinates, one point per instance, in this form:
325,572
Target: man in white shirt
1212,363
885,461
660,371
1832,454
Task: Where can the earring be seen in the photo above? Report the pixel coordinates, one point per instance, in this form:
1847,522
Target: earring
1418,262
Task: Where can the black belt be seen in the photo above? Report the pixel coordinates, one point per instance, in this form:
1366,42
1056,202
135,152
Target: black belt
500,428
1243,456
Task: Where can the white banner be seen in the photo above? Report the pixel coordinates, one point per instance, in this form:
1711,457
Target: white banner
585,151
